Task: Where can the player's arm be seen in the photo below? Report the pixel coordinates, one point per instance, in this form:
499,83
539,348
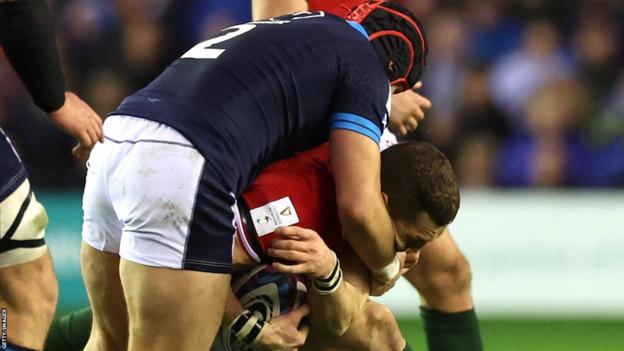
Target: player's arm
343,306
263,9
365,221
339,289
27,37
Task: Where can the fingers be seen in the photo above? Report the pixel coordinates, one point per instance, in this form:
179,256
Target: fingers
402,130
288,255
289,245
294,232
81,152
411,124
96,122
291,269
425,103
93,136
304,330
84,138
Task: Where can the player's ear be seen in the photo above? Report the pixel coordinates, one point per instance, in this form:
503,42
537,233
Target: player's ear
385,198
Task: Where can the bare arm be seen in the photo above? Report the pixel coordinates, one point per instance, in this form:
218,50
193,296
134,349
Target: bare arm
263,9
363,215
333,312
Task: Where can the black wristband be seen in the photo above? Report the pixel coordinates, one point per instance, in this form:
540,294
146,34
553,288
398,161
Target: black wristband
27,36
246,328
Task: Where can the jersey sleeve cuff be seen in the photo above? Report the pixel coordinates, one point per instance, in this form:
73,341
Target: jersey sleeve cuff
356,124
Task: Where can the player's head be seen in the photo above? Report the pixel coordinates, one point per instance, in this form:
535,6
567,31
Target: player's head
398,38
421,192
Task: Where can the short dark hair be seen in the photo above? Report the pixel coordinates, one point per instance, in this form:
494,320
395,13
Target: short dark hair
418,178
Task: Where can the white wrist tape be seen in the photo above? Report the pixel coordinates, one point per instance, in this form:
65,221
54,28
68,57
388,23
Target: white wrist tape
390,271
247,327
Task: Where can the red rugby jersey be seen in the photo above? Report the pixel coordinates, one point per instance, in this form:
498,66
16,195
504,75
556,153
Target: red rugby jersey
337,7
295,191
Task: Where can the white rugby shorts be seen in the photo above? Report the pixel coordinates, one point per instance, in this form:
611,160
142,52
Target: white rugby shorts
152,197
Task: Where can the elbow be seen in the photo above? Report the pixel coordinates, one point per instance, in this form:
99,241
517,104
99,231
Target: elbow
356,211
333,328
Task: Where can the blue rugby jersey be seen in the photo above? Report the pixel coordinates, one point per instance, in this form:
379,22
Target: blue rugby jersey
262,91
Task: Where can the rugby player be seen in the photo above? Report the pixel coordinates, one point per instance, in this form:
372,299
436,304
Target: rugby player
159,194
300,191
28,286
443,277
422,196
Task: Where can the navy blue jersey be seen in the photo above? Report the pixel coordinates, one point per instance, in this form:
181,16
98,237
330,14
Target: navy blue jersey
12,171
264,90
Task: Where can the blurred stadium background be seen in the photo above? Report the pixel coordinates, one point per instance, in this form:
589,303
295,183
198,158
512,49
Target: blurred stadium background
528,102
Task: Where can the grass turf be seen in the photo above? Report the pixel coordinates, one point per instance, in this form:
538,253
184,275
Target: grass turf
536,335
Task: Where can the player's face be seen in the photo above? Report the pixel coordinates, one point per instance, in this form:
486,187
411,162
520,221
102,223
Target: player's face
414,235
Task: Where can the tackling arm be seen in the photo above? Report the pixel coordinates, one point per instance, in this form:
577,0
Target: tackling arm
337,295
363,215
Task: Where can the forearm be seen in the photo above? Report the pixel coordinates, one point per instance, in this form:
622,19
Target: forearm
263,9
233,308
333,314
363,215
369,231
27,36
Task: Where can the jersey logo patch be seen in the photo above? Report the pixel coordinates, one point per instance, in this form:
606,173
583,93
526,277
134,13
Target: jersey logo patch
278,213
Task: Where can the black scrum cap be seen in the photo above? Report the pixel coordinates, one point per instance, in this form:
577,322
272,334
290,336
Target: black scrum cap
398,38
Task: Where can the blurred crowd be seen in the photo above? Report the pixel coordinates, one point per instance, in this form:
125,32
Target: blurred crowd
526,93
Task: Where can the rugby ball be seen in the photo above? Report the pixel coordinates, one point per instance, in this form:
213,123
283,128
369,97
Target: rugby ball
268,294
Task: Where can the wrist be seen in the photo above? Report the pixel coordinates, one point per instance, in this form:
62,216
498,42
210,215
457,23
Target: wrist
330,283
390,271
246,328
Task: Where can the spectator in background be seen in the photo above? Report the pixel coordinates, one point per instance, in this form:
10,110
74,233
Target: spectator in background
493,31
113,48
483,127
550,149
595,43
444,77
518,75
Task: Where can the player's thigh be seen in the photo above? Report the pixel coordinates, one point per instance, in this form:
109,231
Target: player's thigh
442,276
29,292
100,271
177,235
22,227
27,280
173,308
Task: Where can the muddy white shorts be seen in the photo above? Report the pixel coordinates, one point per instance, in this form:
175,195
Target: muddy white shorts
151,197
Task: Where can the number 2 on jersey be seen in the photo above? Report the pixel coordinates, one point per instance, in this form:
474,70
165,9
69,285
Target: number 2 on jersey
203,50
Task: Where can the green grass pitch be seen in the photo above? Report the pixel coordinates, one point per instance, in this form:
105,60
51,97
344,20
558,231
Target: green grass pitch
536,335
